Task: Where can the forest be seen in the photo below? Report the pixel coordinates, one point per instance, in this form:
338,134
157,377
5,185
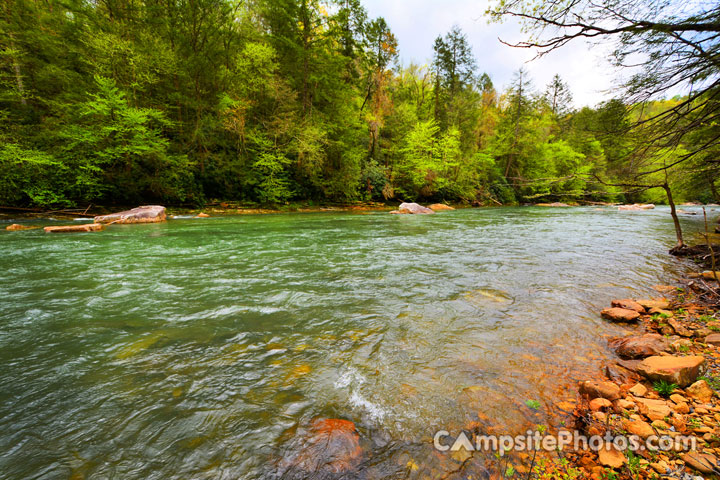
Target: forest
274,101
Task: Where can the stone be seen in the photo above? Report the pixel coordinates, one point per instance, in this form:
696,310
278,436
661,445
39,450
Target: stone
659,303
702,332
713,339
15,227
660,425
331,447
437,207
623,404
679,328
672,369
702,462
660,311
681,408
677,398
639,346
700,390
202,215
595,389
628,304
654,409
620,314
636,206
639,390
144,214
85,227
681,344
620,375
611,457
660,467
413,208
639,428
599,403
553,204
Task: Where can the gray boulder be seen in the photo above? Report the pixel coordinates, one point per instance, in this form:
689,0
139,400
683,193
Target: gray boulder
144,214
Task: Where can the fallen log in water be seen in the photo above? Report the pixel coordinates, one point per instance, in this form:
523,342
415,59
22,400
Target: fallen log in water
86,227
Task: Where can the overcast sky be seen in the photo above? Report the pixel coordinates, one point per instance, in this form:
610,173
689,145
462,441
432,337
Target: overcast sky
417,23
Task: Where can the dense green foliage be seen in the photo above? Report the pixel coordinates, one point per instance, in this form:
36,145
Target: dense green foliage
126,101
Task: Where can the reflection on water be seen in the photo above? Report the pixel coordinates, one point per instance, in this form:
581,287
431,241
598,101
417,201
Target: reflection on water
197,348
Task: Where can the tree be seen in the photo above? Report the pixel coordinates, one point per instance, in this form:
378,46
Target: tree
454,68
558,96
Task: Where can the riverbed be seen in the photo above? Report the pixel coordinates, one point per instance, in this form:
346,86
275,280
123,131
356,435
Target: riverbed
195,348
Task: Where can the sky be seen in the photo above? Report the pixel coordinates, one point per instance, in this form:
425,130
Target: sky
416,24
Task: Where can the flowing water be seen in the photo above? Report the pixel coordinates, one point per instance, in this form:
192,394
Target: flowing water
196,348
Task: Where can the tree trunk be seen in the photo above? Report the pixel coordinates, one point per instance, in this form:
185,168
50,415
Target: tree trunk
18,73
673,212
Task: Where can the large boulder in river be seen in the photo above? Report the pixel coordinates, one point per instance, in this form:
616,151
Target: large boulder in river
330,447
639,346
637,206
412,208
671,369
144,214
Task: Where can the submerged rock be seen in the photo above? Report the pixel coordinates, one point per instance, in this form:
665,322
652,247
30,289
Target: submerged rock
639,346
672,369
554,204
331,447
412,208
17,227
86,227
144,214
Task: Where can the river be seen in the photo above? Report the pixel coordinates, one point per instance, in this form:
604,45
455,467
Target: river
196,347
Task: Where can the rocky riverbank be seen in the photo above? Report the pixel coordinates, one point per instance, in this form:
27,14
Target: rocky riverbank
662,386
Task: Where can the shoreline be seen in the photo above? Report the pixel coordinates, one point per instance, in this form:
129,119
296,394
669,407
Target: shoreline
637,393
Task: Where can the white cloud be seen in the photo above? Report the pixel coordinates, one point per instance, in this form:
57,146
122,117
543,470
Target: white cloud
417,23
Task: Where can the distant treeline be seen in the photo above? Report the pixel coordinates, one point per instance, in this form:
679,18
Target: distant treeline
270,101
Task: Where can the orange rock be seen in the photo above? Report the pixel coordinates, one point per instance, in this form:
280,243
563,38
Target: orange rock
702,462
701,391
620,314
440,206
639,346
672,369
639,390
628,304
599,404
85,227
639,428
595,389
333,447
661,303
202,215
17,227
611,457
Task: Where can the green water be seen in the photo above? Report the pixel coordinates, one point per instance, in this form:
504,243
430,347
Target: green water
195,348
